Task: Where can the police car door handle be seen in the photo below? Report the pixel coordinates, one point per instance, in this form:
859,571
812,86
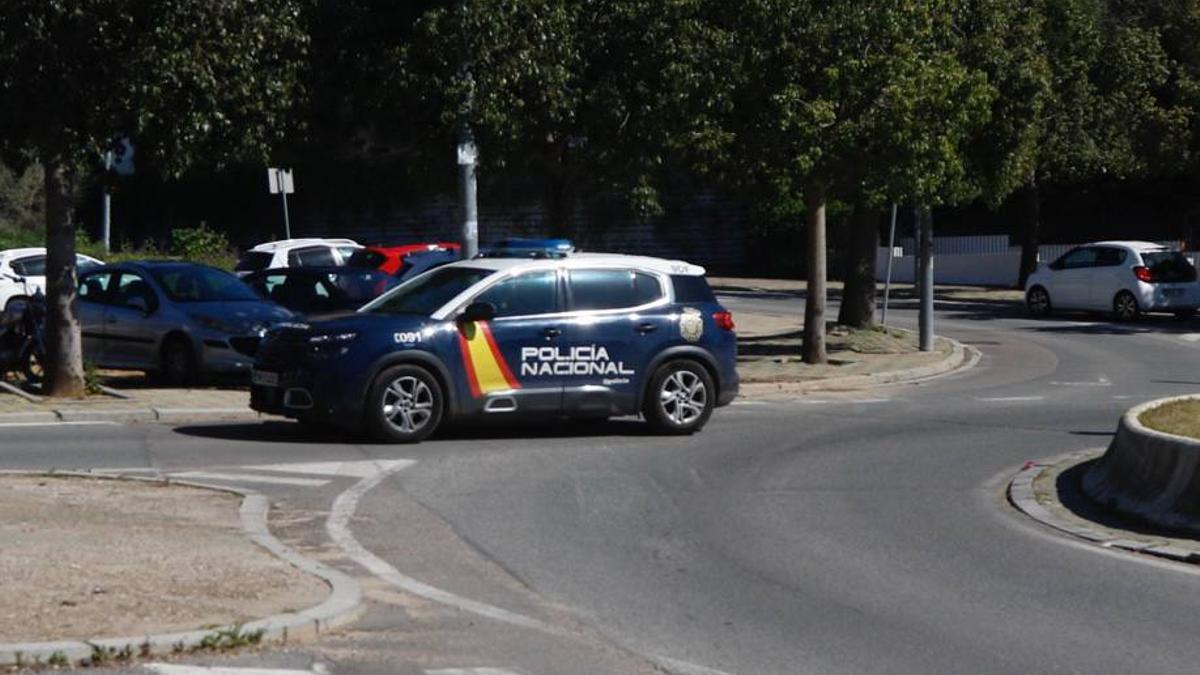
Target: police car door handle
552,332
644,328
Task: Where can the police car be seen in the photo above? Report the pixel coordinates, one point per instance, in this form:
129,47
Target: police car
587,335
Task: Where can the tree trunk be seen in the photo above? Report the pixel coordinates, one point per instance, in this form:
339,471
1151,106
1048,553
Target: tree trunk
858,298
1031,232
560,207
64,350
813,348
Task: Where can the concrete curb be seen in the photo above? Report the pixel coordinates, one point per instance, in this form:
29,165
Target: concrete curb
343,606
1021,495
1148,474
131,415
961,358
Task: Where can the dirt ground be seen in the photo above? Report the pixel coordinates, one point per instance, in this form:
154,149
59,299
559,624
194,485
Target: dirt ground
90,558
776,359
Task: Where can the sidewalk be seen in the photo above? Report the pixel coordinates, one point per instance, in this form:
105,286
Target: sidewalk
944,292
134,405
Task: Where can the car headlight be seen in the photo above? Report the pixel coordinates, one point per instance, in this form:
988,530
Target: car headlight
330,346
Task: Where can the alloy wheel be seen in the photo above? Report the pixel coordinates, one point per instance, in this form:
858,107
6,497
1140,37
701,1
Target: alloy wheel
683,397
408,404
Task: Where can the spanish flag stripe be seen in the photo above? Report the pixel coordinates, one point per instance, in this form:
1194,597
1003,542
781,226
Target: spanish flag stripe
491,341
472,380
486,369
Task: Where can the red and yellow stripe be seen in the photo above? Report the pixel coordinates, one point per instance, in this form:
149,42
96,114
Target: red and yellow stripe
485,366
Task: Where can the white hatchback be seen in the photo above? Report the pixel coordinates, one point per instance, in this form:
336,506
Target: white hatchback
311,252
1125,278
23,272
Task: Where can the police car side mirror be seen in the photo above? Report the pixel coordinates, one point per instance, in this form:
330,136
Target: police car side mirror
478,311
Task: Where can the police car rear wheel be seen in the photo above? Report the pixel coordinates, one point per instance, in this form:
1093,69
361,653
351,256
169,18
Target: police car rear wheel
680,398
405,404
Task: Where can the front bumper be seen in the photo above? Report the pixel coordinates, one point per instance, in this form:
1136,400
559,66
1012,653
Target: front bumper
302,386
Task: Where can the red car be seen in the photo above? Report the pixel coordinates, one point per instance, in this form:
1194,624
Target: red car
390,259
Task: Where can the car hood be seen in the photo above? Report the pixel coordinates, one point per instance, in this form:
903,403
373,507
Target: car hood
366,323
241,316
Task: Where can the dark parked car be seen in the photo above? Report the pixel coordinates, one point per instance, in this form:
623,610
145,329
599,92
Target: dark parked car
175,319
315,291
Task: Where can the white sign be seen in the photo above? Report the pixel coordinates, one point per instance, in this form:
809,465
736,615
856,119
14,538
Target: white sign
280,180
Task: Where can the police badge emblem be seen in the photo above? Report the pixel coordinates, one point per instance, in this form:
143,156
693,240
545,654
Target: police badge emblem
691,324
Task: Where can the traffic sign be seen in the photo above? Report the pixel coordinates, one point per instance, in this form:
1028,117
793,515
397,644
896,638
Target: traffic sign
280,181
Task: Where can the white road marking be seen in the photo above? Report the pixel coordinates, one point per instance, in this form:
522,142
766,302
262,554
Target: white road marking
59,424
1010,399
1102,382
471,671
248,478
338,527
1122,398
172,669
357,469
870,400
687,668
1190,337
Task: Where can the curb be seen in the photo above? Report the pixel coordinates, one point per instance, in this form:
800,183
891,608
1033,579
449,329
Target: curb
961,358
130,415
343,606
1148,474
1021,496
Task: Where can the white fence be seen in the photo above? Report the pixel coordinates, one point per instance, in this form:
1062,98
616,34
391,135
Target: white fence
977,261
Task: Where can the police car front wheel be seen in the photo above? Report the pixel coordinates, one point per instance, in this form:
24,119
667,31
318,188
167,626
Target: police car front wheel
405,404
680,398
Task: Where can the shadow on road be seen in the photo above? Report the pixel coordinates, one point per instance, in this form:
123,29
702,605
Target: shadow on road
294,432
1069,486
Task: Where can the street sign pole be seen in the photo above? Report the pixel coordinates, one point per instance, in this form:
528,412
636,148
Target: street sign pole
281,181
887,280
106,204
926,254
287,223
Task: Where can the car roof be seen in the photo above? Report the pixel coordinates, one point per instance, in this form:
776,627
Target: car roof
660,265
319,269
1134,245
286,244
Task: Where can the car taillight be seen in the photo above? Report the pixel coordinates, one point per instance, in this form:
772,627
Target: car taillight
1143,274
724,320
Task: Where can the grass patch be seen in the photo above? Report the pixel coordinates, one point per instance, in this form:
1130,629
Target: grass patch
1181,418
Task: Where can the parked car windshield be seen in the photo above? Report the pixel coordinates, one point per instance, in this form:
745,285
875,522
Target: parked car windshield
427,293
253,261
201,284
1169,266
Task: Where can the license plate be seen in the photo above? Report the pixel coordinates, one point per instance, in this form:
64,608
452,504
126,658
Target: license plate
264,378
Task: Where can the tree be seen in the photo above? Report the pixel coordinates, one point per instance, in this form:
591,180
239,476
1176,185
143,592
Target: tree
576,95
863,101
189,82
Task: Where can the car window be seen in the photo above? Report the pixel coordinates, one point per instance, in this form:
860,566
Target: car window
612,289
1168,266
82,263
313,256
32,266
1110,257
129,286
347,252
1076,258
524,295
430,292
195,283
692,289
364,258
358,287
253,261
94,287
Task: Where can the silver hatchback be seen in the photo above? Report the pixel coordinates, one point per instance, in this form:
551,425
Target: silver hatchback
173,319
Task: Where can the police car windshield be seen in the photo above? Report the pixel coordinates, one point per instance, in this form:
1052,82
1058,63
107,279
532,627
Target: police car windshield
429,292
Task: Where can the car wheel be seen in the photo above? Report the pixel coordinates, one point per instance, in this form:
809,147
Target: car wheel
178,362
1125,307
680,398
1038,301
405,404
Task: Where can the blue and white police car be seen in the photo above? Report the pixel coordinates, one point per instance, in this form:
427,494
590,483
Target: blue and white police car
586,335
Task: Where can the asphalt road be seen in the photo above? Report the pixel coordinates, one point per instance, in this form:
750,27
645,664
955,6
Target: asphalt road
861,532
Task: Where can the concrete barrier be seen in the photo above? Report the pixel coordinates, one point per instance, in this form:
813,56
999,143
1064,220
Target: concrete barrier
1149,474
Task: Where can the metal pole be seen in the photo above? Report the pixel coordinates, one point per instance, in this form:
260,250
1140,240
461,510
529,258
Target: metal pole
287,225
887,280
926,254
106,205
468,187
